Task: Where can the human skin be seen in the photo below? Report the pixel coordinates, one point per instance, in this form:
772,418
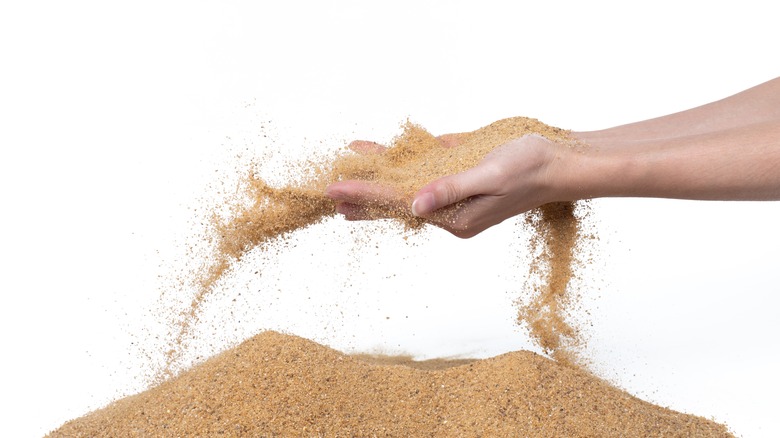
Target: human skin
724,150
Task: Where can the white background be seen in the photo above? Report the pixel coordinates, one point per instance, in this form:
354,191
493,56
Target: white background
117,121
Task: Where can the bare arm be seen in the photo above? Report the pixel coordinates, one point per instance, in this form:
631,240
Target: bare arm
727,150
741,163
754,105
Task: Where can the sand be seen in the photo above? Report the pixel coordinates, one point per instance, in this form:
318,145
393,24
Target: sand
282,385
262,214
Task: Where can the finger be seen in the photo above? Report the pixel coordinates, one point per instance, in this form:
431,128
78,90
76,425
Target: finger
356,212
364,193
351,212
366,147
450,140
469,217
449,190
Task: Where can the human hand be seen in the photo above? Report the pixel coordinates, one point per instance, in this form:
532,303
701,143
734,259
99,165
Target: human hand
512,179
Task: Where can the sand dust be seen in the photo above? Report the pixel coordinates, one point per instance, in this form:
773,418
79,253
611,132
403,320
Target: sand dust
281,385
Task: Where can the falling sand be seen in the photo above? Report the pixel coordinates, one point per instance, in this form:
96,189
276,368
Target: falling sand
282,385
415,158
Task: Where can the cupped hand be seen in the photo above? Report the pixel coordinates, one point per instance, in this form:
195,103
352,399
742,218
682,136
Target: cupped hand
512,179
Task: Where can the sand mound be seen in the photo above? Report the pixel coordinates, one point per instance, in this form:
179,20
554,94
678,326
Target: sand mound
281,385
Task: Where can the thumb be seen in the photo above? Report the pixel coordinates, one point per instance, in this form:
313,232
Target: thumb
447,190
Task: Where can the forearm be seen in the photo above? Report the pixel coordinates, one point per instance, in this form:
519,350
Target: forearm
755,105
736,163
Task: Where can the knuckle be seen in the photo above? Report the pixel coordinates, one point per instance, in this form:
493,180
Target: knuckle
451,191
496,173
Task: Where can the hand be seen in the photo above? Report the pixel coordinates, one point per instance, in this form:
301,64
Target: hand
726,150
512,179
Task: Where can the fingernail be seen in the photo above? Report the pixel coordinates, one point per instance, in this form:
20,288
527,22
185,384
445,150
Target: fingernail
423,204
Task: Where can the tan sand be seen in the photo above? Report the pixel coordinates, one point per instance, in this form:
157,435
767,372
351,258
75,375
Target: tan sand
263,214
281,385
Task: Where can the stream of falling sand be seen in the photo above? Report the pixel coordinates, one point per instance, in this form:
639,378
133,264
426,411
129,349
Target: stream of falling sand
415,158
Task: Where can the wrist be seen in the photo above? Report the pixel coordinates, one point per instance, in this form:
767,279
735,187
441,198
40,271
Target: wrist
591,167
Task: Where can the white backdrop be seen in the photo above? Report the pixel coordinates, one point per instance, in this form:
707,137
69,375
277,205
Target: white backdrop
117,120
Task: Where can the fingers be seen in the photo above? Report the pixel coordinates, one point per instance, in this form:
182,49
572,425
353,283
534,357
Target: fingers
371,147
449,190
366,147
470,217
361,200
353,212
450,140
458,205
362,192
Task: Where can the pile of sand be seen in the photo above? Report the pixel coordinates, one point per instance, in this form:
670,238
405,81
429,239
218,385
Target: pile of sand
281,385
